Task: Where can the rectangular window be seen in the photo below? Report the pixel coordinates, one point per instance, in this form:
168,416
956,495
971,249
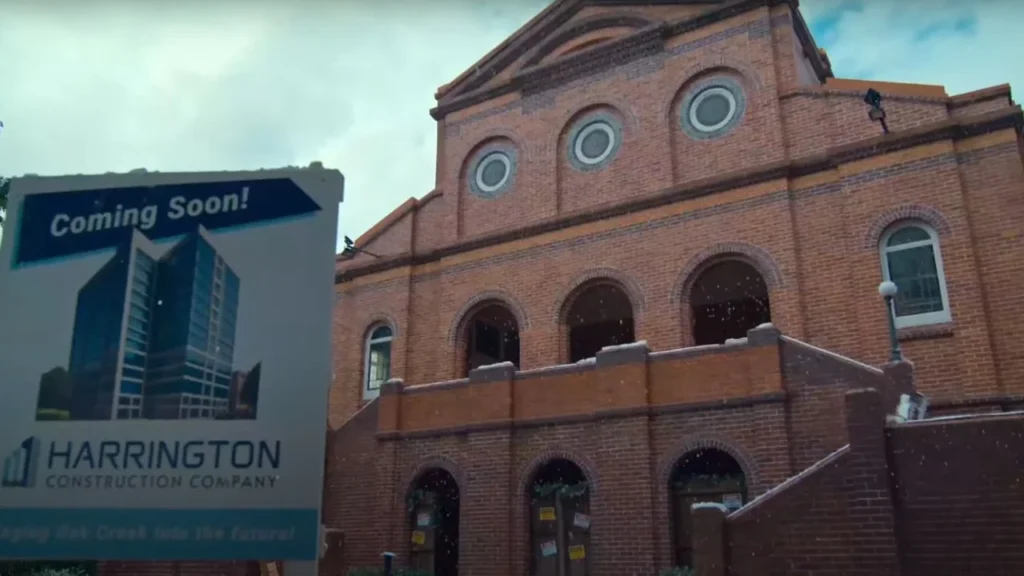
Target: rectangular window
378,369
914,272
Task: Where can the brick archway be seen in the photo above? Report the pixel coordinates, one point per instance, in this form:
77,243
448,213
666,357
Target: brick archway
707,68
614,276
756,256
529,470
429,463
381,319
497,296
919,212
747,464
593,103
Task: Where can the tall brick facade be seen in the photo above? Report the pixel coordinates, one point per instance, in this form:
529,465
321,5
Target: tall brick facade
791,179
803,187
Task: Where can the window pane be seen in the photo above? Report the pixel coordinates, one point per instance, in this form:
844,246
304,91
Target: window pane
382,332
907,235
379,370
915,274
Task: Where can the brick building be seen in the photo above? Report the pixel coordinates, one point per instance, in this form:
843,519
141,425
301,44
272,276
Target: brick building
647,265
678,174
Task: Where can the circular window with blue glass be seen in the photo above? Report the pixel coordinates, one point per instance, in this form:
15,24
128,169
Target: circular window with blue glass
594,142
493,173
712,108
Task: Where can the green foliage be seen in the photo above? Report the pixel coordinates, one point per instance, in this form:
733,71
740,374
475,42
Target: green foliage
47,569
677,571
710,481
379,571
559,489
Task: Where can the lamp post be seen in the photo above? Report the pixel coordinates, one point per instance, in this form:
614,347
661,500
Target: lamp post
887,290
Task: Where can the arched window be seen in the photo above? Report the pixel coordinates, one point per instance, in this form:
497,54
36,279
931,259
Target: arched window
912,260
377,364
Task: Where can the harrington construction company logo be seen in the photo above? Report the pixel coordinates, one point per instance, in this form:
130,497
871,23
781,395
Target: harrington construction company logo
21,464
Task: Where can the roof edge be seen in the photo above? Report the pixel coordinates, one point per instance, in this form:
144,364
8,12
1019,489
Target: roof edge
393,217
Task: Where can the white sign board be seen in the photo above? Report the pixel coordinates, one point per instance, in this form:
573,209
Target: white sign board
165,345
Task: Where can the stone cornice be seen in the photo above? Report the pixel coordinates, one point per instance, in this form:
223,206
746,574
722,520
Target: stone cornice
472,90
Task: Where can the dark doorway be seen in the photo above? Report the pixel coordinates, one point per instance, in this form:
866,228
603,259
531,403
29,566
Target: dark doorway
559,499
493,337
728,298
705,475
601,315
433,506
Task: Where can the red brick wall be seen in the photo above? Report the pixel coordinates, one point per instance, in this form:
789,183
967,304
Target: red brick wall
813,236
959,494
935,497
487,434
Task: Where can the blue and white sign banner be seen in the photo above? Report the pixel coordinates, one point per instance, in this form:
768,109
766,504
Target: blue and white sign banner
165,353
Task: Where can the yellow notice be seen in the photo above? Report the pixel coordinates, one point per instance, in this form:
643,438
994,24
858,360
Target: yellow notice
547,513
419,537
577,552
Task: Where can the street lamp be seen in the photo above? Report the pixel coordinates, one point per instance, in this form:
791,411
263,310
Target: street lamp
887,290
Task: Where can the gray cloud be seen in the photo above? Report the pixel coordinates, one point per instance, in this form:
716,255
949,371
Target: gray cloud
115,85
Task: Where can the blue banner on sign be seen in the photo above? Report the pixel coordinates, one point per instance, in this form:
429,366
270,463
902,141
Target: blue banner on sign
126,534
62,224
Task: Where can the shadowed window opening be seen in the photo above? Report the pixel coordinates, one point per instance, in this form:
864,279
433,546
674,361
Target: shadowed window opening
433,507
705,475
559,497
600,316
728,298
493,338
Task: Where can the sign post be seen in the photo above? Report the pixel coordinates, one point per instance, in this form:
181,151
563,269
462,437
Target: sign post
165,357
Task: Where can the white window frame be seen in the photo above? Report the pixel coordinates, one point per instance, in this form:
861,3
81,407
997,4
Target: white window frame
928,318
371,393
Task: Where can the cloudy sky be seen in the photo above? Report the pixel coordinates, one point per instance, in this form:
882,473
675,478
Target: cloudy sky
112,85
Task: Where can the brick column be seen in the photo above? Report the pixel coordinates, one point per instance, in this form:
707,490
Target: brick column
390,501
901,376
485,536
871,515
709,539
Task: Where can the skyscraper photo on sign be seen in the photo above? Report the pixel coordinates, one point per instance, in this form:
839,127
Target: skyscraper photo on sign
153,338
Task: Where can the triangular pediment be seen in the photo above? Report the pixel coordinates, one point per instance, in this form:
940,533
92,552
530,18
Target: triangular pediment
568,27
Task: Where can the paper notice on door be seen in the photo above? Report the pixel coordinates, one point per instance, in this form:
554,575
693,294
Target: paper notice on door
581,521
419,537
733,501
547,513
423,519
549,548
577,552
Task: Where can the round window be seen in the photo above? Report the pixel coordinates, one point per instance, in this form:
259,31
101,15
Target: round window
713,109
492,172
594,142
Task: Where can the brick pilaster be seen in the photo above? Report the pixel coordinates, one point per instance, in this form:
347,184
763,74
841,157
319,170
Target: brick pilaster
870,508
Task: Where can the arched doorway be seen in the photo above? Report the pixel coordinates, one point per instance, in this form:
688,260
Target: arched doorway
492,337
727,299
433,508
704,475
600,315
559,497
